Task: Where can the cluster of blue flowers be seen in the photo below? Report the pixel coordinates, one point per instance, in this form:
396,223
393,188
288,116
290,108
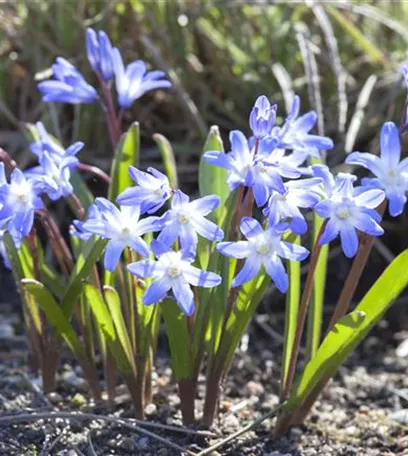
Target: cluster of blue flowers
272,166
131,82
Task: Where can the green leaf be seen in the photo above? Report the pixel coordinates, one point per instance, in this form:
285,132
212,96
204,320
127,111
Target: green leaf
333,351
127,154
113,302
54,315
92,250
168,159
179,339
213,179
105,322
359,39
315,313
291,313
351,330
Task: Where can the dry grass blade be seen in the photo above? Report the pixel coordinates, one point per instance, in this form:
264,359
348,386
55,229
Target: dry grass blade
359,113
286,84
341,75
312,73
26,417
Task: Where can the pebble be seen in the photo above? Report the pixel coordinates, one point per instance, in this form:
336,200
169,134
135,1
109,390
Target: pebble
71,453
73,380
150,409
143,443
54,397
254,389
231,422
276,453
400,416
6,330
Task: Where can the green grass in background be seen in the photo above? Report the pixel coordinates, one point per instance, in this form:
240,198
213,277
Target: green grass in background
342,58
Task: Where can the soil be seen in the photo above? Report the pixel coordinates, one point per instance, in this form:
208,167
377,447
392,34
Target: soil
364,411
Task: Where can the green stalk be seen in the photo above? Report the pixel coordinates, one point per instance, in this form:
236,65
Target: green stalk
291,312
315,316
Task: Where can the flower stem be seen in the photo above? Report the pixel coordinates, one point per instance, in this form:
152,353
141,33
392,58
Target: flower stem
307,292
112,119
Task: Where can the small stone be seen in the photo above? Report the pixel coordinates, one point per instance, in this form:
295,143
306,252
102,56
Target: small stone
54,397
254,389
276,453
231,422
6,330
71,453
143,443
400,416
127,444
162,452
150,409
73,380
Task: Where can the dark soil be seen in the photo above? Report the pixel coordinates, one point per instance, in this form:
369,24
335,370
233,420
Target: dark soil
362,412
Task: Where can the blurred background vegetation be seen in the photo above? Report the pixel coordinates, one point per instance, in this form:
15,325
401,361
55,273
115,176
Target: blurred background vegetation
343,58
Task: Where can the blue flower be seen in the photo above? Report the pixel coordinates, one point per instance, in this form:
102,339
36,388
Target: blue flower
18,201
294,134
77,227
68,85
391,173
55,151
350,208
151,192
173,271
262,117
3,251
123,229
303,193
262,248
99,51
134,81
237,162
57,173
185,219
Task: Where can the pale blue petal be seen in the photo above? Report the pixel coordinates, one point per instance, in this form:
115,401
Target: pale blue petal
390,145
248,272
349,241
140,246
330,232
277,273
293,251
250,227
184,296
179,199
368,161
370,199
156,291
366,224
200,278
159,248
143,269
206,228
396,203
112,254
238,249
205,205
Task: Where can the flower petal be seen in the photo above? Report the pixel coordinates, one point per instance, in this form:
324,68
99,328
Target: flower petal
250,227
330,232
156,291
250,269
205,205
184,296
277,273
349,241
145,268
370,199
238,249
113,252
390,145
206,228
200,278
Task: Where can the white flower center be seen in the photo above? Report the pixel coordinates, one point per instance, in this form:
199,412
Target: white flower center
263,249
174,272
20,195
343,213
182,218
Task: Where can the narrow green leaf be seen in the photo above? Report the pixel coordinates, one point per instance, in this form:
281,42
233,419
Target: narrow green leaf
105,323
113,302
54,315
91,253
127,154
315,313
213,179
331,353
179,339
169,161
360,40
351,330
291,313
